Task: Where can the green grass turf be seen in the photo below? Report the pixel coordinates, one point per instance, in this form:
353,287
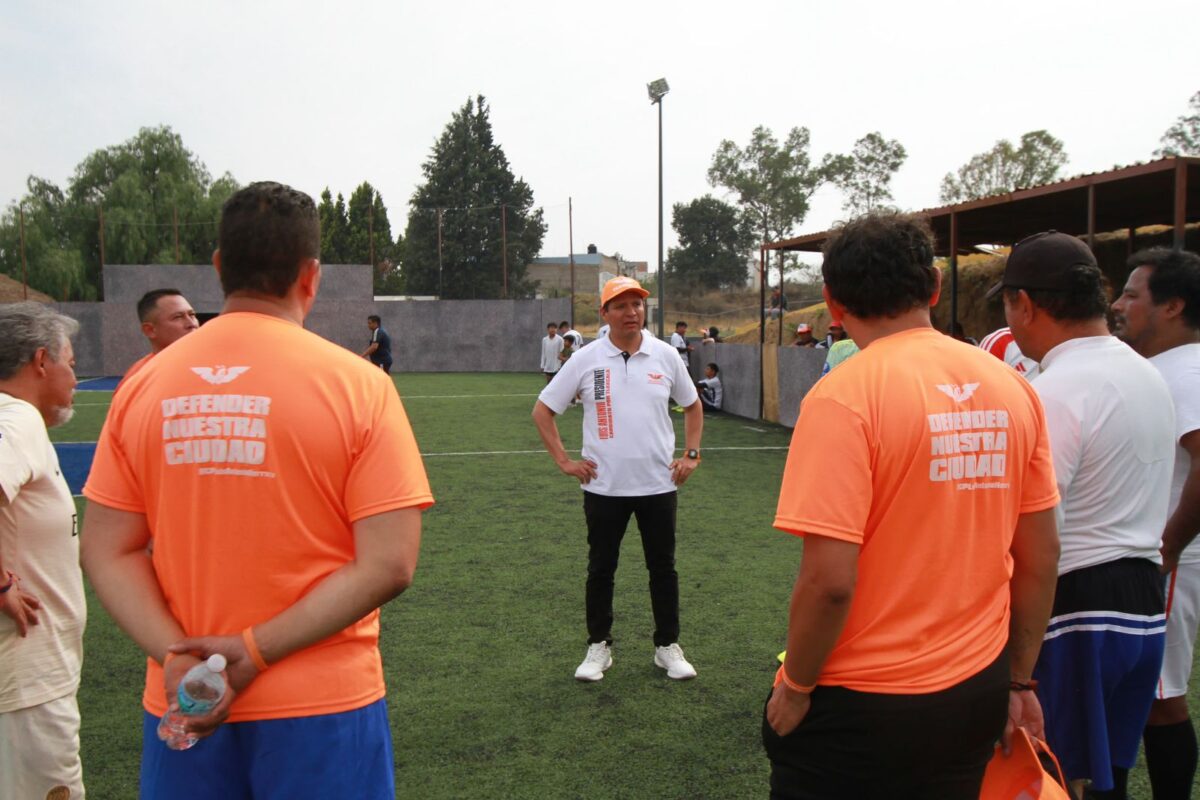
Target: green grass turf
479,654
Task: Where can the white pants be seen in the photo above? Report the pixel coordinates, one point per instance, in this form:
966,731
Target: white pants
39,752
1183,614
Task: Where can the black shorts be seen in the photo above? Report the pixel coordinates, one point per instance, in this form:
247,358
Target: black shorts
865,745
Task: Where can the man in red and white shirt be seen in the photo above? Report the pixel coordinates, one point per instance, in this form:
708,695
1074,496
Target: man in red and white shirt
1003,346
628,466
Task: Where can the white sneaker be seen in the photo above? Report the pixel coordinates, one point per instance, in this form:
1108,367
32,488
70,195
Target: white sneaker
598,659
671,659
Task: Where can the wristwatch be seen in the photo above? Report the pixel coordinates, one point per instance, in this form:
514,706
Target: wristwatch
694,455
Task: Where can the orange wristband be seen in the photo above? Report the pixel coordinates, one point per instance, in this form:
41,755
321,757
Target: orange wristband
795,687
252,649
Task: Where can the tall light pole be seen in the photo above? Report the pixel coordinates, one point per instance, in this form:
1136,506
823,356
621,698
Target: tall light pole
658,90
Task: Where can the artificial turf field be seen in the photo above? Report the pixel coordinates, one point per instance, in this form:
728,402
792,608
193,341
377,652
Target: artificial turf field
480,652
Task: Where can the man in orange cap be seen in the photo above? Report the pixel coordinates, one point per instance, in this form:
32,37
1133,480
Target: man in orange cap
628,466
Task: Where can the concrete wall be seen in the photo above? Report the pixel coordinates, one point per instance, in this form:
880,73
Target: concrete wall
799,369
427,336
740,374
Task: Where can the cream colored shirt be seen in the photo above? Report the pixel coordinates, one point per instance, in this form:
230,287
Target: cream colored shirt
38,542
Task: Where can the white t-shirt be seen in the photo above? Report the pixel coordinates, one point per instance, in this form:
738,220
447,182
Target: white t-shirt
1003,346
551,347
713,383
680,344
627,428
38,542
1112,432
1180,367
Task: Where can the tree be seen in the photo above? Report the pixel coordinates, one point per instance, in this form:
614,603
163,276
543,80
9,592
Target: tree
865,175
335,229
1183,137
1006,168
773,183
713,241
469,185
150,189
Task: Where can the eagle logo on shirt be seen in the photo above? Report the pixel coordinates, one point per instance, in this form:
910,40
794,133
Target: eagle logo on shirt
655,377
958,393
219,374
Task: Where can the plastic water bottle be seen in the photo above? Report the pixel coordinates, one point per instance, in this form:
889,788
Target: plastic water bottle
199,692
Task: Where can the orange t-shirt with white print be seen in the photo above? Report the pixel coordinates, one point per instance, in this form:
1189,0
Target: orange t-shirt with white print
252,446
932,448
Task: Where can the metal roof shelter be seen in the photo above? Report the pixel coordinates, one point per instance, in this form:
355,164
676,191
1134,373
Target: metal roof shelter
1163,192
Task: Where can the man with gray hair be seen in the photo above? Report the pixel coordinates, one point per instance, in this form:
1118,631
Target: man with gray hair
42,607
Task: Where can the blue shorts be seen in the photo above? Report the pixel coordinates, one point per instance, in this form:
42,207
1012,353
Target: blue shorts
332,755
1099,665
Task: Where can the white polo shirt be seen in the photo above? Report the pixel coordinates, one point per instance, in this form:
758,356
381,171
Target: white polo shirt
1180,367
1112,432
39,542
627,429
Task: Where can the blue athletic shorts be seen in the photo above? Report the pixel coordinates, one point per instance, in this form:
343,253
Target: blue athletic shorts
1099,666
332,755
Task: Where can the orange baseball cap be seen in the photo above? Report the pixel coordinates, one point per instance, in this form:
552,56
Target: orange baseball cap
620,285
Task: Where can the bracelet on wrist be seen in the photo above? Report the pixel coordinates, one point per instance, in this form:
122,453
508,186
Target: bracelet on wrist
1023,686
795,687
252,649
12,581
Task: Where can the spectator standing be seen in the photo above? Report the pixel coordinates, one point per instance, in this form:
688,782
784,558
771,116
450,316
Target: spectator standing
278,478
566,332
628,466
42,606
909,643
552,347
379,349
1158,315
680,343
1112,433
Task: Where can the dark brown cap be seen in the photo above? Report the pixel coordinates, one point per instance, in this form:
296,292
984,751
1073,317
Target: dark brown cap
1042,261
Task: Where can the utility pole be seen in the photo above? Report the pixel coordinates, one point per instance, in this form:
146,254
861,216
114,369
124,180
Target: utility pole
504,250
439,213
24,268
571,253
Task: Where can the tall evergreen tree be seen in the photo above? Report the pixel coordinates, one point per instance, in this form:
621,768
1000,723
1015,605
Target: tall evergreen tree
468,177
335,229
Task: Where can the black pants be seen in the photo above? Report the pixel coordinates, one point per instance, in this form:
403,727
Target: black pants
607,517
865,745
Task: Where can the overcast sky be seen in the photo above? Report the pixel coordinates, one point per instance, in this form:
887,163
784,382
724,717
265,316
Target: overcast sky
318,95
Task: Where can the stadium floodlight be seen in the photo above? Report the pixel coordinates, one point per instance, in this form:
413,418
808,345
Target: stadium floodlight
658,89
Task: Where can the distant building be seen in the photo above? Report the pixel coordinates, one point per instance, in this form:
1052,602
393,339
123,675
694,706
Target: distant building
552,274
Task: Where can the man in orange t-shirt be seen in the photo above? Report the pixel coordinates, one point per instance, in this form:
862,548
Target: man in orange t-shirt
929,566
278,485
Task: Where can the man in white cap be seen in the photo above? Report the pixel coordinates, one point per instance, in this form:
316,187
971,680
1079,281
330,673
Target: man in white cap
628,466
